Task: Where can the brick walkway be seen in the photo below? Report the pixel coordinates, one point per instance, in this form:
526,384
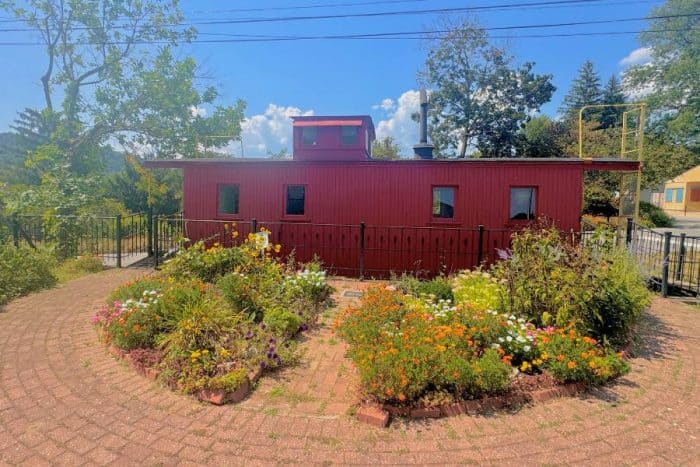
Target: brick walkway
64,400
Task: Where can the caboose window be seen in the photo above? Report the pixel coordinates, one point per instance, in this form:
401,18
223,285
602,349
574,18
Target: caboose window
522,202
348,135
228,199
296,195
308,135
444,202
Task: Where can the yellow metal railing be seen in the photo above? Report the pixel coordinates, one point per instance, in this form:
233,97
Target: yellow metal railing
637,149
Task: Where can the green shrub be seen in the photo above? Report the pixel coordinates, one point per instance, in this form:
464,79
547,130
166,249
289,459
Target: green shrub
77,267
491,374
439,287
597,288
24,270
230,381
620,296
653,216
571,357
479,290
282,322
206,264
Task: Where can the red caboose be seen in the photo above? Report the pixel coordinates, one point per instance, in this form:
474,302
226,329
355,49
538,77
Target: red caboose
370,216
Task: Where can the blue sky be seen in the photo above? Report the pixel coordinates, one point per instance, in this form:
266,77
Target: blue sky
373,77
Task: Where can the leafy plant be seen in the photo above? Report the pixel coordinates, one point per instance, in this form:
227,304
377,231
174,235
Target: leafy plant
24,270
438,287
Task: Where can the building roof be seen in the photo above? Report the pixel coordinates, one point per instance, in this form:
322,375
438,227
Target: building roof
334,120
692,175
624,165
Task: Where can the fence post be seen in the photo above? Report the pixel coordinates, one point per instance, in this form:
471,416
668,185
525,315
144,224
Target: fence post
149,232
480,248
628,232
362,250
15,229
664,269
156,243
118,239
254,226
681,258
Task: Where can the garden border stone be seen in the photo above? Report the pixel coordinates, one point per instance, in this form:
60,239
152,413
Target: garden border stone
374,415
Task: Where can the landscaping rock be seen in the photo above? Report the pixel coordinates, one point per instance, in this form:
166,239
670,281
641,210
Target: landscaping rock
373,416
426,412
240,393
213,396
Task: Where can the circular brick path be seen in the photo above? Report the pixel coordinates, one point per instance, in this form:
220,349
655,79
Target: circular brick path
65,400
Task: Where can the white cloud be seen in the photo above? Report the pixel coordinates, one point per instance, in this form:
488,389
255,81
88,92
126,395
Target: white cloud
268,132
387,105
398,122
638,56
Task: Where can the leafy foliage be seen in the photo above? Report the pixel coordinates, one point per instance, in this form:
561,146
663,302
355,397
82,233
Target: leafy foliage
386,149
479,99
24,270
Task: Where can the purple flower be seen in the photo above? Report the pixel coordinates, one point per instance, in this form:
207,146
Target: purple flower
272,340
275,356
304,327
249,334
263,326
263,365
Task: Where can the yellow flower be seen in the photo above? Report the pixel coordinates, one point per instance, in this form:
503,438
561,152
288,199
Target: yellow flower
525,366
440,348
278,248
544,357
592,364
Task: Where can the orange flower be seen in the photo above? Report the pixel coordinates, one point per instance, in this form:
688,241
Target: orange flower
388,392
560,358
584,355
592,364
402,397
571,364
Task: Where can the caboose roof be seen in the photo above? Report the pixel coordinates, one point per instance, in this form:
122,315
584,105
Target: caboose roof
609,164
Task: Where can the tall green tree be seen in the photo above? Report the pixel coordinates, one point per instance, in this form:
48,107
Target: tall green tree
613,93
479,97
539,137
584,90
385,149
670,82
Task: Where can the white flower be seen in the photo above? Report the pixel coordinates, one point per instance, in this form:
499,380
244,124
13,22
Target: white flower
509,338
526,348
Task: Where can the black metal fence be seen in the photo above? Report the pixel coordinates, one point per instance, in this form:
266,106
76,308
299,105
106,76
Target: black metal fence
671,262
115,239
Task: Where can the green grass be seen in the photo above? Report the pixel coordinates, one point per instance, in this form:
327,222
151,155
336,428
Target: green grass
76,267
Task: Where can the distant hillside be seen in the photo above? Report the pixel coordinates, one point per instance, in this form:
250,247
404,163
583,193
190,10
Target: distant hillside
12,156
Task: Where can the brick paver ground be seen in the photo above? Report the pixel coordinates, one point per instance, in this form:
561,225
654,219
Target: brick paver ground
65,400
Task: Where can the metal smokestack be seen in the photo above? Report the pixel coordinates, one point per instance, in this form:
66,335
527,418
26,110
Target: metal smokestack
423,150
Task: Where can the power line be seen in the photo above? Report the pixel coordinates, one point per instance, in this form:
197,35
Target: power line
425,35
410,33
501,6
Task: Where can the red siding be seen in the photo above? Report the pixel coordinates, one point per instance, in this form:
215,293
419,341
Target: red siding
398,194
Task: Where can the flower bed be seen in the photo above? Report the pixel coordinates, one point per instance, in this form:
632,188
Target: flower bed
421,355
215,318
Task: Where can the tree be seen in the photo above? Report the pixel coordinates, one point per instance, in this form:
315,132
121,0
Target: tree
385,149
585,90
479,99
141,189
101,82
612,94
539,138
670,82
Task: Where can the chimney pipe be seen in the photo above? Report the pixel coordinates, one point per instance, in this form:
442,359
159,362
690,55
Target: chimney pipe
423,150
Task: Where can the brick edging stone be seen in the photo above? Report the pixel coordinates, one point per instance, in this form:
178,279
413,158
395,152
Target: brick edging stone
380,415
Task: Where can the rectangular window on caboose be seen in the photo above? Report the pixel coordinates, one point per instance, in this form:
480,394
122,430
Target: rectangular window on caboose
228,199
669,195
308,135
522,202
444,202
348,135
296,195
679,195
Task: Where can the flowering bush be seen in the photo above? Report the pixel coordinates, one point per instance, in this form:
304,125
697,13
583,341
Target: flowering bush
572,357
216,315
405,346
408,347
479,290
438,287
598,289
